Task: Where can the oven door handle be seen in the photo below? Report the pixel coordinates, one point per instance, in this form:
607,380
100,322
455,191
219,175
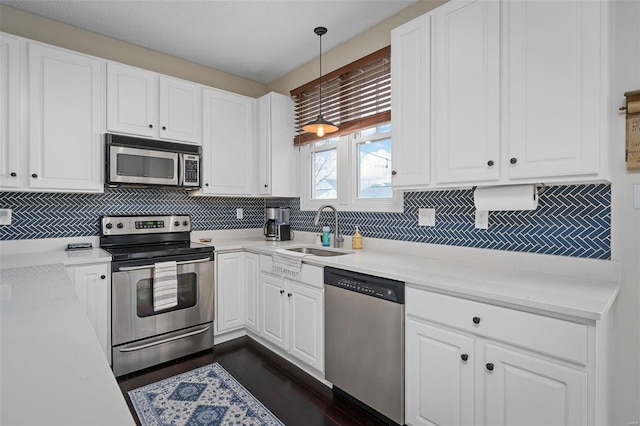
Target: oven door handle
186,262
166,340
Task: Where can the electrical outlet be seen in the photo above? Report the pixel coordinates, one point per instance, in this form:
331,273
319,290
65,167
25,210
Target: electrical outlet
5,216
482,219
426,217
239,213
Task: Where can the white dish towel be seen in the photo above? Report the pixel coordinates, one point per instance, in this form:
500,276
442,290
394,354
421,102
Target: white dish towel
287,263
165,285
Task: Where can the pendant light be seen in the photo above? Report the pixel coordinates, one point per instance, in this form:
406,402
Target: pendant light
320,126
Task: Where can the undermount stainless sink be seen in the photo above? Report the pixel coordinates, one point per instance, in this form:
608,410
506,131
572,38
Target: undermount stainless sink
317,251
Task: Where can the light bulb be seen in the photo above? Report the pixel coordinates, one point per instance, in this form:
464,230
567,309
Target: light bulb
320,131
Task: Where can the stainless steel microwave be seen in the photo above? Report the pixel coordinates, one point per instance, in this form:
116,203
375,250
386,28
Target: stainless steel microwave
132,161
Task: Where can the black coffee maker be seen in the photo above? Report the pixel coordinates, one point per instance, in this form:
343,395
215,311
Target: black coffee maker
276,225
270,224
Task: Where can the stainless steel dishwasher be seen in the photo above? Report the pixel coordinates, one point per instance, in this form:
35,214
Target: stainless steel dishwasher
364,340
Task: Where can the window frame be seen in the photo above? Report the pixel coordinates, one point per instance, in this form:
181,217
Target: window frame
346,175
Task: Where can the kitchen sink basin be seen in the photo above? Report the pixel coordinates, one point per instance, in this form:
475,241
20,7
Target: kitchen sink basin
317,251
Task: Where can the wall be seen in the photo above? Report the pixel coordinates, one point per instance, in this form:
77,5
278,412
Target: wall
363,44
625,220
571,220
47,215
58,34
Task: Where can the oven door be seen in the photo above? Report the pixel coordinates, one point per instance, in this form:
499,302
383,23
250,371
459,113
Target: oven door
133,316
142,166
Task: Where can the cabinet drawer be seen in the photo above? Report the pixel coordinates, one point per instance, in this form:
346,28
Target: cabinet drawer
563,339
310,275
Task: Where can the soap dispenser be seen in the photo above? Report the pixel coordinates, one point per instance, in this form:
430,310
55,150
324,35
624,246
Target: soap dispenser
356,240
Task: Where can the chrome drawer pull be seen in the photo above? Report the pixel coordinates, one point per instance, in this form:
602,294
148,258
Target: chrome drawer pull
137,268
168,339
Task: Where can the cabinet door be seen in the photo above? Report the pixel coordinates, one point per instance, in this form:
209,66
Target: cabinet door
93,287
230,291
306,324
523,389
132,104
65,113
251,280
466,111
275,146
439,374
180,110
552,90
10,167
273,321
228,144
410,102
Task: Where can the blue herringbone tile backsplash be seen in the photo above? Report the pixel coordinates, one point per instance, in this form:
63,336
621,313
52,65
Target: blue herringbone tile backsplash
573,220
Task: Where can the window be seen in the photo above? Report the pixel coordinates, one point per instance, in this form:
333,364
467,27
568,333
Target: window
352,172
325,171
373,165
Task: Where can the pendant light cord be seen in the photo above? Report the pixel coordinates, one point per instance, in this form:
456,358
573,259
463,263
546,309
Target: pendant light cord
320,84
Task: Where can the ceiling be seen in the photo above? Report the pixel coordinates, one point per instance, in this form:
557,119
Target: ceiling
261,40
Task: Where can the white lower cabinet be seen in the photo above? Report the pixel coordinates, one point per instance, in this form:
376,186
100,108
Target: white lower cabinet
292,315
439,383
464,366
92,284
236,291
523,389
230,291
251,281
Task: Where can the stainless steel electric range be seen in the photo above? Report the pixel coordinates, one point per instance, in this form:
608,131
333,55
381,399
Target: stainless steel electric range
142,334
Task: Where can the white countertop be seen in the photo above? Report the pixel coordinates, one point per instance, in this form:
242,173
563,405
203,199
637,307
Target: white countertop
569,289
52,368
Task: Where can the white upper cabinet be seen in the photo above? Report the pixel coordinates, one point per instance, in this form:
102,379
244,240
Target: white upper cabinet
144,103
276,154
466,51
132,100
65,120
519,94
553,83
180,110
228,144
9,112
410,102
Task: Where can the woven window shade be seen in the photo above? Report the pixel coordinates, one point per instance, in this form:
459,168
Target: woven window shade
355,96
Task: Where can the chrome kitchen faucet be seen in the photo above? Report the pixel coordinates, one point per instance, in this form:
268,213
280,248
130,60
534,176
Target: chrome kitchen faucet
337,238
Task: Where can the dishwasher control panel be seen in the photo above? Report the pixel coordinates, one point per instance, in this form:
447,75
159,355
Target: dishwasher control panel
381,288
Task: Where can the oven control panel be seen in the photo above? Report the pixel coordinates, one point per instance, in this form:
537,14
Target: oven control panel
128,225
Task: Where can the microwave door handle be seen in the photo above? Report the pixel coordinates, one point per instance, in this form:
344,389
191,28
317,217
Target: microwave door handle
137,268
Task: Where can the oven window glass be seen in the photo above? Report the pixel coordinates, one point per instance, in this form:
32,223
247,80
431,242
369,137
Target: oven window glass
187,295
143,166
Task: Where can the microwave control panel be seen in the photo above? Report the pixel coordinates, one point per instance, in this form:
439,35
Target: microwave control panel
191,168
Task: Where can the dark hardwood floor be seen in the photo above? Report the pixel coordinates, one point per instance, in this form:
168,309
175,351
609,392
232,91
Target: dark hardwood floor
289,393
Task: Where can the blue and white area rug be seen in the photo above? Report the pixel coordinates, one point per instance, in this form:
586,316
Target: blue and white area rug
208,396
